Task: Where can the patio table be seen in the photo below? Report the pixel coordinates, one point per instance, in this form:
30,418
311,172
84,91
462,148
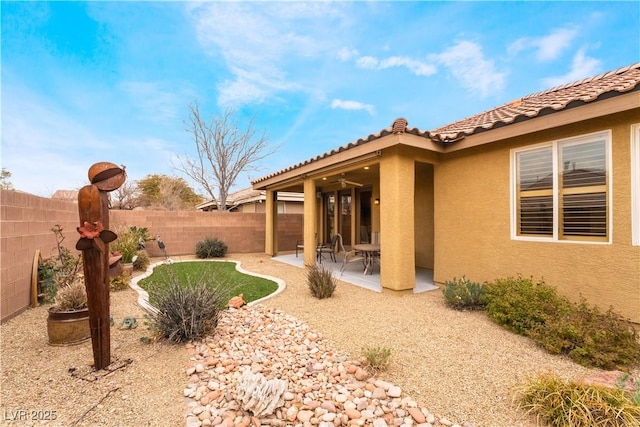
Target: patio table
370,252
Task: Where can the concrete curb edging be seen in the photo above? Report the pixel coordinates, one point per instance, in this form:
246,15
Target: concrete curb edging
143,296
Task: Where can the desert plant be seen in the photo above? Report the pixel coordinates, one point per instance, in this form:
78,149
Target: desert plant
590,338
126,244
59,270
520,305
210,247
187,311
321,282
141,261
118,283
583,333
565,403
377,358
71,297
463,294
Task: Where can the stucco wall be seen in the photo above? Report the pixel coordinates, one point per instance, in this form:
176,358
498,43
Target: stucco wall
27,220
472,216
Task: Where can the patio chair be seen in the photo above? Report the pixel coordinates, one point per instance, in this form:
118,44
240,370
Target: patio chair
350,256
331,249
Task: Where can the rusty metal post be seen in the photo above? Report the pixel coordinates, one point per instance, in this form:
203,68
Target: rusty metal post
95,236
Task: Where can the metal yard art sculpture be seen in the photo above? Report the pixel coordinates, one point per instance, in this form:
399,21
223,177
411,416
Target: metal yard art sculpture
95,236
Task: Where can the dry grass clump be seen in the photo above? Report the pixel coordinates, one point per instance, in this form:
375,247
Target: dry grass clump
565,403
376,358
71,297
321,282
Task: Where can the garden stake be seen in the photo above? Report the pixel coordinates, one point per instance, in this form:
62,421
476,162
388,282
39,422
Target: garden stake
93,208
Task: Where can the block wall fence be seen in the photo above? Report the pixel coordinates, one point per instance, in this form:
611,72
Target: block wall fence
26,222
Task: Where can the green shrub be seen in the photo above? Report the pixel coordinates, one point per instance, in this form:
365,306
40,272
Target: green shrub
126,244
142,261
187,311
591,338
118,283
565,403
377,358
58,270
582,333
210,248
520,305
321,282
463,294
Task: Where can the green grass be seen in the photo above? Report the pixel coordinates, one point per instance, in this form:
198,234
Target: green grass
251,287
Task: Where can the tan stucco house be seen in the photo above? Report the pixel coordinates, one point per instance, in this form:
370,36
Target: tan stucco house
545,186
253,201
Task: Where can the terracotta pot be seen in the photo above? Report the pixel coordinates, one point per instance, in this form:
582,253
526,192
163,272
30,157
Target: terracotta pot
68,327
127,269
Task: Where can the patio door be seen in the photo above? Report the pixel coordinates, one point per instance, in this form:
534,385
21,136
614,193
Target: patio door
365,220
345,216
329,217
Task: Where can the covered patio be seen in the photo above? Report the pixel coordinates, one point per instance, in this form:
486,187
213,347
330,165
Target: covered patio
354,274
378,190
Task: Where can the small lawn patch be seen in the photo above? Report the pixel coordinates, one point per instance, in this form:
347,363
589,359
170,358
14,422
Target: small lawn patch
214,273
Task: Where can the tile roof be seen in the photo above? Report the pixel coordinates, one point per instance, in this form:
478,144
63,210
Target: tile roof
570,95
559,98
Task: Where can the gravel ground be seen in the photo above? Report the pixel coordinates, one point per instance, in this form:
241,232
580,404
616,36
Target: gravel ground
459,365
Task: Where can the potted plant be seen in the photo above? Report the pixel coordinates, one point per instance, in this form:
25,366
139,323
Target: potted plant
68,320
62,283
129,242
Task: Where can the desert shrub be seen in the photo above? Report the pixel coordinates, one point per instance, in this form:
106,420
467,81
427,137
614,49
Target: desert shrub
591,338
377,358
565,403
210,247
521,305
118,283
583,333
71,297
58,270
463,294
321,282
189,310
142,261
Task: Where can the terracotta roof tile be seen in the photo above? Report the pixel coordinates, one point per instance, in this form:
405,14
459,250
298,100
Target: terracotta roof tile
570,95
559,98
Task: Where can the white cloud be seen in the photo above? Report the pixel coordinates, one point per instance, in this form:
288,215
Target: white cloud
468,65
258,41
152,100
352,105
546,48
345,54
416,67
582,66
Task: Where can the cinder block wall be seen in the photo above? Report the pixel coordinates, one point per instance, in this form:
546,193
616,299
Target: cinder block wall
27,220
180,230
25,226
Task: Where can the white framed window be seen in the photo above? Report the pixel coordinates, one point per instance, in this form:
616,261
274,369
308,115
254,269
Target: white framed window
561,190
635,184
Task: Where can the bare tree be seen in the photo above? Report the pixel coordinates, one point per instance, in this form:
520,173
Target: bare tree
224,151
124,197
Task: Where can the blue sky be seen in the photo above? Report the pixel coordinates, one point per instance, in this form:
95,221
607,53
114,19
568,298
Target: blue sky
84,82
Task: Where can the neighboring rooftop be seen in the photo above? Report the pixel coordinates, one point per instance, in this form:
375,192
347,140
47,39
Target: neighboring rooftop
607,85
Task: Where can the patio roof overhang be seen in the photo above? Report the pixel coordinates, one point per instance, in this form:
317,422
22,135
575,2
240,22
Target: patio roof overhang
345,159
